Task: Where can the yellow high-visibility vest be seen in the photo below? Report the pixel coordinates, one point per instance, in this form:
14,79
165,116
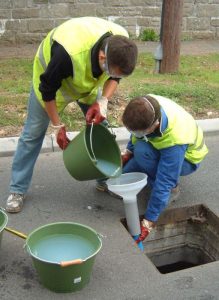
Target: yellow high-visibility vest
181,129
77,36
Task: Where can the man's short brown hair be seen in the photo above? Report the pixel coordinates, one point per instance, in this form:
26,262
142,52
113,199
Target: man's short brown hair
122,53
141,113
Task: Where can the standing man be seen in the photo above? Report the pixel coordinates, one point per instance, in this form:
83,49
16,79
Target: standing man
165,143
81,60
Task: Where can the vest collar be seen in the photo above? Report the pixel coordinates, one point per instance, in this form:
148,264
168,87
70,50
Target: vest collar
96,70
162,127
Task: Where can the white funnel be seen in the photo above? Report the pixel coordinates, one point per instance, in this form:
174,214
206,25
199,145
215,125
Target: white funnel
128,186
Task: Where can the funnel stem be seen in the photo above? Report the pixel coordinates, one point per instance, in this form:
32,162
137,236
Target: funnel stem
132,216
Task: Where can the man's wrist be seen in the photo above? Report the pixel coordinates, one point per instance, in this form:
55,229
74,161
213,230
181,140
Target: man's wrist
57,126
102,99
147,224
103,102
127,152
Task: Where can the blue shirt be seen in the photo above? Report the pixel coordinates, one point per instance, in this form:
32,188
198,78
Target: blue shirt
168,173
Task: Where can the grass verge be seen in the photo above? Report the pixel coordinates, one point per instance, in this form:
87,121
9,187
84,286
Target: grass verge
195,87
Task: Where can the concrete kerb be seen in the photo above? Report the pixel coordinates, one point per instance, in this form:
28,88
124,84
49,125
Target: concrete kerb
8,144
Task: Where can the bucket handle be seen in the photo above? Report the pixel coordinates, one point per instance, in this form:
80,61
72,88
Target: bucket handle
71,262
91,143
15,232
112,132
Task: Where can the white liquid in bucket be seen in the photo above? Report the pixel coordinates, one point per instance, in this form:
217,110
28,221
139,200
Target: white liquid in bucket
107,167
63,247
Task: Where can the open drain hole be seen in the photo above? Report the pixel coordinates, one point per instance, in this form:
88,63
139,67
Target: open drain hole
180,265
183,238
180,258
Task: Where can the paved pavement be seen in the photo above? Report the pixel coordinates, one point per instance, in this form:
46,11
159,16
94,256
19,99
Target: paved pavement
194,47
121,270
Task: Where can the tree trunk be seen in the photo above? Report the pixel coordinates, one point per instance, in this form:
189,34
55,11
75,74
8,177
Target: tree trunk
172,12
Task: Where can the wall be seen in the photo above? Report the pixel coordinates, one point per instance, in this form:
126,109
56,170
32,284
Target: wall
27,21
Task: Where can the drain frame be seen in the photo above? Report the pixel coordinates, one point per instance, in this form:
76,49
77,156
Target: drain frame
187,235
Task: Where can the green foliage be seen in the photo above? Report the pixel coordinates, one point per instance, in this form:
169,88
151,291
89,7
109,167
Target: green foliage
15,75
72,116
148,35
195,87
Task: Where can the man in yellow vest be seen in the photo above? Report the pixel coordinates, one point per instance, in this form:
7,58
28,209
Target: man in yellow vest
81,60
165,143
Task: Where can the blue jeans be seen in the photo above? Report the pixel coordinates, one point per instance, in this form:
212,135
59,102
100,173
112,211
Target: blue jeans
146,159
29,145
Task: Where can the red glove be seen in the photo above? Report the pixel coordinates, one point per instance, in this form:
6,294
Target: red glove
93,114
126,157
145,230
61,138
97,112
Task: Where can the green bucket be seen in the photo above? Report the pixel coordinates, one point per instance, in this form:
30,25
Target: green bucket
3,223
93,154
63,255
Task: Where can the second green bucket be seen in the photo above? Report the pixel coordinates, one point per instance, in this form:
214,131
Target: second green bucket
93,154
63,254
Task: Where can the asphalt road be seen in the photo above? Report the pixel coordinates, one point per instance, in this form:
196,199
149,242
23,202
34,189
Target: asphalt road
120,271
